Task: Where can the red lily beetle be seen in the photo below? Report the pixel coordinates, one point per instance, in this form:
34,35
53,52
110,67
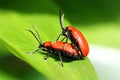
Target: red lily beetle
56,48
75,36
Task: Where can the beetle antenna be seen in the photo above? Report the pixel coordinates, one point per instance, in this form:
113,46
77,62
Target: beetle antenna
33,35
40,41
61,17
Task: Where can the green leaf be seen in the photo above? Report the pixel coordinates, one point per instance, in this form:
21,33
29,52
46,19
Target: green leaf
5,76
18,41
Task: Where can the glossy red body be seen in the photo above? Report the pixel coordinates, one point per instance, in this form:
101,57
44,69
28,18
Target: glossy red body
79,40
62,46
61,49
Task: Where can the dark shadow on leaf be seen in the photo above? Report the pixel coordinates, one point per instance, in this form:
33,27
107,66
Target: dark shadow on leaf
56,58
20,70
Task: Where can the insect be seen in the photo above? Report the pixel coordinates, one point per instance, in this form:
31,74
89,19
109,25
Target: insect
75,36
56,48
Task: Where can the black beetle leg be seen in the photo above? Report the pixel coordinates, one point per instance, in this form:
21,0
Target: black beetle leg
63,38
59,37
33,51
47,56
67,37
61,59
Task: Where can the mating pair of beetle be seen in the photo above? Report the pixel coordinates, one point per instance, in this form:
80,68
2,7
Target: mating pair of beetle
77,49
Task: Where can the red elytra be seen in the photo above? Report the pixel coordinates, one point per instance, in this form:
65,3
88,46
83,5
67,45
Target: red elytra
81,42
62,46
56,48
75,36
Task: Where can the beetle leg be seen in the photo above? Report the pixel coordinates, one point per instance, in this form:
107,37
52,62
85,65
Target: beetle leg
75,42
61,59
61,35
67,37
80,55
33,51
46,57
58,37
63,38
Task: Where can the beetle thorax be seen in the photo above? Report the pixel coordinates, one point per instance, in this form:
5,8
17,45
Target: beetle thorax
70,28
47,44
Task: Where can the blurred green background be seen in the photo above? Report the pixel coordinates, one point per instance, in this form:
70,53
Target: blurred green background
98,20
